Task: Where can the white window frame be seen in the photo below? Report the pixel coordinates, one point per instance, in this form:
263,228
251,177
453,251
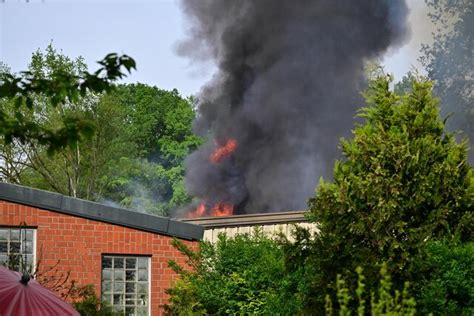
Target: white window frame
34,243
125,256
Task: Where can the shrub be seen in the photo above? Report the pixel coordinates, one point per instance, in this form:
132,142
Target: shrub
240,275
90,305
383,302
447,287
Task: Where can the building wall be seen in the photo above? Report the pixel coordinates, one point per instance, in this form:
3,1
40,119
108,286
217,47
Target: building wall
211,234
76,244
270,223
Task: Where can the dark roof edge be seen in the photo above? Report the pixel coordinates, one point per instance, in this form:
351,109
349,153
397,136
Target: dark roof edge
250,219
99,212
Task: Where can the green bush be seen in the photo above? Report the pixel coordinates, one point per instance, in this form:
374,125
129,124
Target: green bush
90,304
241,275
384,302
447,287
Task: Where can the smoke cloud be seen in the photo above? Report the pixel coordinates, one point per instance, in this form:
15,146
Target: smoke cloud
287,89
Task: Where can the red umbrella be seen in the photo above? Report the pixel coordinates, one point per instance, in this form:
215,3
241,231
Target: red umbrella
21,296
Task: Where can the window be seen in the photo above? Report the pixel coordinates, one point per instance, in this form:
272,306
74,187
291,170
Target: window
126,283
17,248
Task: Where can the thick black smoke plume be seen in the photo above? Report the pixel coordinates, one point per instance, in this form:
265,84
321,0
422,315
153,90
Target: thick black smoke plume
287,88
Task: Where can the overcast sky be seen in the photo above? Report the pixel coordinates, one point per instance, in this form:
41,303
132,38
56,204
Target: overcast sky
147,30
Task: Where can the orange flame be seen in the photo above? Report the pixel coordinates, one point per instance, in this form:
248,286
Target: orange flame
198,212
224,151
222,209
219,209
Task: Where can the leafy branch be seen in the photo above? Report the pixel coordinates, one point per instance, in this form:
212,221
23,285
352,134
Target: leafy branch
59,87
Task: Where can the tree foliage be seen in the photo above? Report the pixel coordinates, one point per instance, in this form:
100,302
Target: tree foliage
77,169
449,62
384,301
246,275
243,275
133,158
403,182
158,123
90,305
59,86
447,282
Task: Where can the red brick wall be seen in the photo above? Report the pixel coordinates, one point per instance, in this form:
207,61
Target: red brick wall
79,243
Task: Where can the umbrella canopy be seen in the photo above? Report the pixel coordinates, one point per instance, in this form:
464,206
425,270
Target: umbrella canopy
29,297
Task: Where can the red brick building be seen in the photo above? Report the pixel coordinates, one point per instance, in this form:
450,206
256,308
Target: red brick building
124,254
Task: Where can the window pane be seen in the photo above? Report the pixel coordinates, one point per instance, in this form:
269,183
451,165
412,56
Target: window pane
106,287
131,263
3,259
142,287
107,298
29,261
4,234
118,299
15,246
119,287
106,262
29,234
130,275
130,299
143,263
130,287
3,247
130,311
28,247
119,275
142,299
142,310
142,275
15,234
118,263
107,274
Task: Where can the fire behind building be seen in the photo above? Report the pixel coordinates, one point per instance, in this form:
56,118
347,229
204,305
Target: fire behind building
287,88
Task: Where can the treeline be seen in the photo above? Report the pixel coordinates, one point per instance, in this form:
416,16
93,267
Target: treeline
132,157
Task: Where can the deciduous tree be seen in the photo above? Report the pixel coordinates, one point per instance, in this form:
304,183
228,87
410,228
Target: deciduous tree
450,63
158,123
77,169
58,85
134,157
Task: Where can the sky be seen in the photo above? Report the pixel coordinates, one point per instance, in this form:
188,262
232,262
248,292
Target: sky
147,30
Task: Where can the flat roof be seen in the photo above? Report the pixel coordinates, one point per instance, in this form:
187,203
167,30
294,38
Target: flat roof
99,212
249,219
